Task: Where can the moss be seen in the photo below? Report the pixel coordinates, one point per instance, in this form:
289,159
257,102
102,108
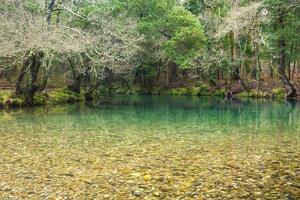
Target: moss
2,98
103,91
122,90
8,99
194,91
203,90
156,91
60,96
39,99
18,101
243,94
219,92
254,94
177,91
258,94
189,91
12,100
278,92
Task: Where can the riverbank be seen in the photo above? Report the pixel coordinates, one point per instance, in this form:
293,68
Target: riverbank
52,97
277,93
61,96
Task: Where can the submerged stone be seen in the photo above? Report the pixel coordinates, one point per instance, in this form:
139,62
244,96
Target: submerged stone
137,193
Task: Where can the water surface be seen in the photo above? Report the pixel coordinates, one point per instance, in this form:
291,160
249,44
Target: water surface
151,147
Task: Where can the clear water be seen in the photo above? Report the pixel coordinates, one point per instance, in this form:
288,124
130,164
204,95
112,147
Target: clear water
152,147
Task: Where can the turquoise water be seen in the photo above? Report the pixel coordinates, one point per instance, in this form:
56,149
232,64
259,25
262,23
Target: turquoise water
175,115
104,150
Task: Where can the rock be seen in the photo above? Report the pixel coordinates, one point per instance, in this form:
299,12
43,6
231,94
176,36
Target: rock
289,173
156,194
67,174
137,193
135,174
28,177
191,194
147,178
257,194
160,179
89,182
260,185
274,175
8,102
5,189
107,196
130,182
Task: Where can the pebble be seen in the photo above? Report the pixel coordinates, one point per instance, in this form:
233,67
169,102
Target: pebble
147,178
156,194
191,194
289,173
137,193
260,185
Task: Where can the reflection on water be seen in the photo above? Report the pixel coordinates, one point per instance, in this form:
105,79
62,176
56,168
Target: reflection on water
177,114
188,146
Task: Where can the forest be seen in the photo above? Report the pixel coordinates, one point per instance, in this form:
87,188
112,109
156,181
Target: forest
80,49
150,99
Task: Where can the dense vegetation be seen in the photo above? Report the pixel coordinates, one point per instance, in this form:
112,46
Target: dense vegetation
191,47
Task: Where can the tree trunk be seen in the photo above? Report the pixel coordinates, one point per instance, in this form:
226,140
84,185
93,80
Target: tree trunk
290,59
172,73
89,94
294,68
18,87
298,69
235,72
290,89
75,86
50,6
31,66
32,87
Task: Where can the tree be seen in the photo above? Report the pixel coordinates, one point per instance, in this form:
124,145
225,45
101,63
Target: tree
172,35
33,44
283,32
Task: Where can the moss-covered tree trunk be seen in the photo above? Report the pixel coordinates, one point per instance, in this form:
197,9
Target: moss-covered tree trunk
32,85
76,78
30,70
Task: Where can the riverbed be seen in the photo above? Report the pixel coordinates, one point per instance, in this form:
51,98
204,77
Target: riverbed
152,147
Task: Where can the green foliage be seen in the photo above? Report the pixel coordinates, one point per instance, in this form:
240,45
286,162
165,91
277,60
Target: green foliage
218,7
273,32
34,6
178,91
194,6
39,99
61,96
8,99
219,92
17,102
202,90
278,92
3,96
187,37
254,94
178,38
176,32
